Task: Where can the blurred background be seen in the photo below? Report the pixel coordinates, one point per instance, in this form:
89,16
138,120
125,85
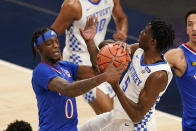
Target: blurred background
19,18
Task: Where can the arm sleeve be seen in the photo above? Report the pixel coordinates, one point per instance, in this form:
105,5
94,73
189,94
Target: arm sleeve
42,75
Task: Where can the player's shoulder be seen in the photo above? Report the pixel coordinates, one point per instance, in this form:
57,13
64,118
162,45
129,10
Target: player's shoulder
41,67
159,77
72,4
174,54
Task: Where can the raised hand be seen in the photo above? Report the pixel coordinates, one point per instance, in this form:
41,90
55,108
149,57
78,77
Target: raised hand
89,31
125,46
119,35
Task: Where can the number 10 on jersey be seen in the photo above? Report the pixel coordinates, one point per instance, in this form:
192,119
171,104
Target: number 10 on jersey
100,25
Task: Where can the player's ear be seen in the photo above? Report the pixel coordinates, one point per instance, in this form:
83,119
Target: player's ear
154,41
37,49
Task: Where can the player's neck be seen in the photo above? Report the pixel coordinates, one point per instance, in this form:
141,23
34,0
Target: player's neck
50,62
151,57
192,45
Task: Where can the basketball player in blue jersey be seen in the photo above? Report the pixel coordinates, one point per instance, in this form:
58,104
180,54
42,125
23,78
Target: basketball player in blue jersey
144,82
183,62
74,14
55,86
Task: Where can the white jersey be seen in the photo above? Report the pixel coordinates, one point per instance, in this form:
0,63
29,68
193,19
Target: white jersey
75,50
132,84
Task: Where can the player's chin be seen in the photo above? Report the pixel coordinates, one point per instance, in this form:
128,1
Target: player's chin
56,59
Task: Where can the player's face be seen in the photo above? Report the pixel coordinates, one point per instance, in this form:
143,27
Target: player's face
191,27
145,37
51,50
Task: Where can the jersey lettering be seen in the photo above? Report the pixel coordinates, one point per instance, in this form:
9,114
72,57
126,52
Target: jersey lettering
134,75
127,81
100,25
69,113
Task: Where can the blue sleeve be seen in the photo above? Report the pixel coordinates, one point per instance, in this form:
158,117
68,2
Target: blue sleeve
42,75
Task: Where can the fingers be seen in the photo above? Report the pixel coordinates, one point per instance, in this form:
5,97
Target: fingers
125,46
119,35
96,21
101,68
119,44
129,51
120,68
81,32
91,21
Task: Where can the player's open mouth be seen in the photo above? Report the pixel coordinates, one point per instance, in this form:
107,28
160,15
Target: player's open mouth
194,36
56,52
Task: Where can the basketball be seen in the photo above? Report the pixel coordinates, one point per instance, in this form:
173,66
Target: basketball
112,53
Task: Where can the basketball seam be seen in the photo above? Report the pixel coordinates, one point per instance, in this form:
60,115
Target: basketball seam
115,61
112,53
104,56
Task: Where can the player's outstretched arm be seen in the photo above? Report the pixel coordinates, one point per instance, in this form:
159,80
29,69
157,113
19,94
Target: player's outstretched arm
155,83
121,22
64,18
79,87
88,34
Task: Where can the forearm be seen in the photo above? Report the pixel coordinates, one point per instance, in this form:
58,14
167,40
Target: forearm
80,87
122,25
132,109
93,51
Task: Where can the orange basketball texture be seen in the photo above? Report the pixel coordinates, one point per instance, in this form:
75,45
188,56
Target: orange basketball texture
110,53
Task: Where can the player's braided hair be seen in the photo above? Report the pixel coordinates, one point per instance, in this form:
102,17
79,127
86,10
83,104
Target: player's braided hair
39,32
163,33
19,126
192,11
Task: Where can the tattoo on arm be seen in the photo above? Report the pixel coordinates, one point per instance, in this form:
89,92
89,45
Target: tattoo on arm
80,87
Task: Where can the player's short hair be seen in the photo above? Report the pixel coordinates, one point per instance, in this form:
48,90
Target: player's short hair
19,126
38,32
162,33
192,11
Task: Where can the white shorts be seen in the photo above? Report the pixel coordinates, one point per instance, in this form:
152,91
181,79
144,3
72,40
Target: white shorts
107,122
84,59
105,87
104,122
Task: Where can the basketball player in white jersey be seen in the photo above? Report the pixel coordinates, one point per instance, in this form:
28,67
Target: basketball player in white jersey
74,14
144,82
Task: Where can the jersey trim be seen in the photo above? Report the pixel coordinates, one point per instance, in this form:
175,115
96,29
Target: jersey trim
59,71
94,3
189,48
164,62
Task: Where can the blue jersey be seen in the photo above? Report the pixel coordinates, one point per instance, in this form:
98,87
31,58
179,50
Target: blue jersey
187,87
56,112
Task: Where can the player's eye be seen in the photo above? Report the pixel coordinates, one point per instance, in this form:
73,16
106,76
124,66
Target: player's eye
189,24
49,42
